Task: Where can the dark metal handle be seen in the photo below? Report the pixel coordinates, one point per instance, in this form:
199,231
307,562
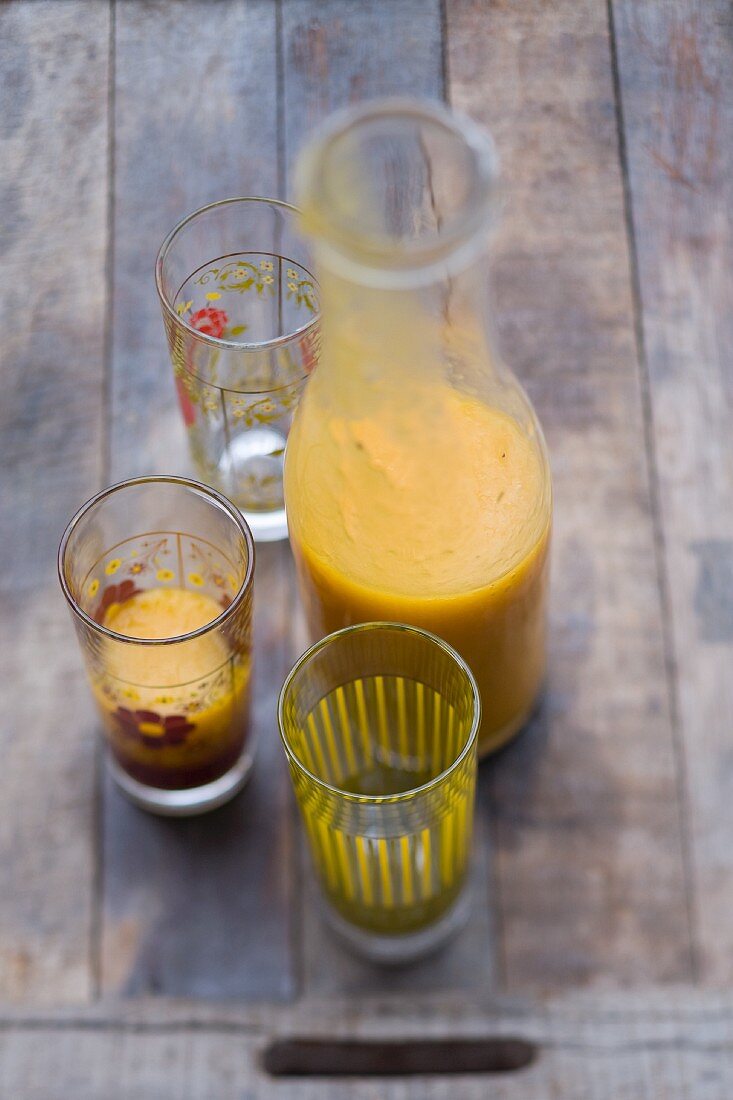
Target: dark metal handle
387,1058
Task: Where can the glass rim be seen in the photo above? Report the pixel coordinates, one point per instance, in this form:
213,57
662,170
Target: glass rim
162,479
216,341
399,796
402,257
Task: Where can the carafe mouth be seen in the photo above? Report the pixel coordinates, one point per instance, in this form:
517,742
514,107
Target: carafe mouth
397,185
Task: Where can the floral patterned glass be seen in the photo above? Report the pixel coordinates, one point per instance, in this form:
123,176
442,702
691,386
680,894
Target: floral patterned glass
240,312
174,709
379,725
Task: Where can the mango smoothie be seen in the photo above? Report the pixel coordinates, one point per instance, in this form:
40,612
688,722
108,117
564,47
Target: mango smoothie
175,715
436,515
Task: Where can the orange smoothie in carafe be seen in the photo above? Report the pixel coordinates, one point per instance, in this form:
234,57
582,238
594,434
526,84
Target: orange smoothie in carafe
435,515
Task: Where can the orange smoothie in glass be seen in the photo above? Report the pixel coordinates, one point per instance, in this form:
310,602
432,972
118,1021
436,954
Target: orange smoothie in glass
175,715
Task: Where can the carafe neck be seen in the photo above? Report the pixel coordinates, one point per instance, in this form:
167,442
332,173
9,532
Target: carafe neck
425,333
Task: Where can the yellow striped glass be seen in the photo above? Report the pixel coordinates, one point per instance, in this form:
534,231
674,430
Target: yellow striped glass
379,725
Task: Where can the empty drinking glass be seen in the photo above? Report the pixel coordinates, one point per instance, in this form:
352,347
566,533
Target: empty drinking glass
240,308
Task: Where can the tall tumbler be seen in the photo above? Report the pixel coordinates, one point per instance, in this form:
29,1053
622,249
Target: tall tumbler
240,308
379,723
158,572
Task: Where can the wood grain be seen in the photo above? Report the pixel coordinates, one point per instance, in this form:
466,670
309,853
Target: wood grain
200,907
203,907
195,121
674,62
336,54
584,807
643,1046
53,149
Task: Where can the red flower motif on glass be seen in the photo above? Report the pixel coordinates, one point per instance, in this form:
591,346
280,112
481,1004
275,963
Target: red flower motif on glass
211,322
188,408
309,346
115,593
151,729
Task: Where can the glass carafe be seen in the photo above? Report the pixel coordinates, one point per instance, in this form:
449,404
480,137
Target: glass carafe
417,483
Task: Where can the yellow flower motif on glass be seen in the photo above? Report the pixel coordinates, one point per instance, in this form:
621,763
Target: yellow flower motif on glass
213,296
266,265
196,578
112,566
238,413
267,279
292,286
164,700
292,274
165,575
130,693
152,729
93,588
183,306
137,567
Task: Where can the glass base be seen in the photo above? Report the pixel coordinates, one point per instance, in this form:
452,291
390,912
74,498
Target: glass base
407,947
267,526
191,800
250,472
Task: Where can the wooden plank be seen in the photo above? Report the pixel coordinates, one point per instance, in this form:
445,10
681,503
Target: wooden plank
584,807
199,907
673,1044
338,53
195,121
53,127
674,62
202,907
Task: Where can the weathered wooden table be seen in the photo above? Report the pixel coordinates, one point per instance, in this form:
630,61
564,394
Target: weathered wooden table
149,958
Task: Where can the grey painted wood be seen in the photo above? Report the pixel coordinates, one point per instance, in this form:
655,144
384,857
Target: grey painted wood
586,817
204,907
200,907
677,100
591,872
194,121
338,53
644,1046
53,152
